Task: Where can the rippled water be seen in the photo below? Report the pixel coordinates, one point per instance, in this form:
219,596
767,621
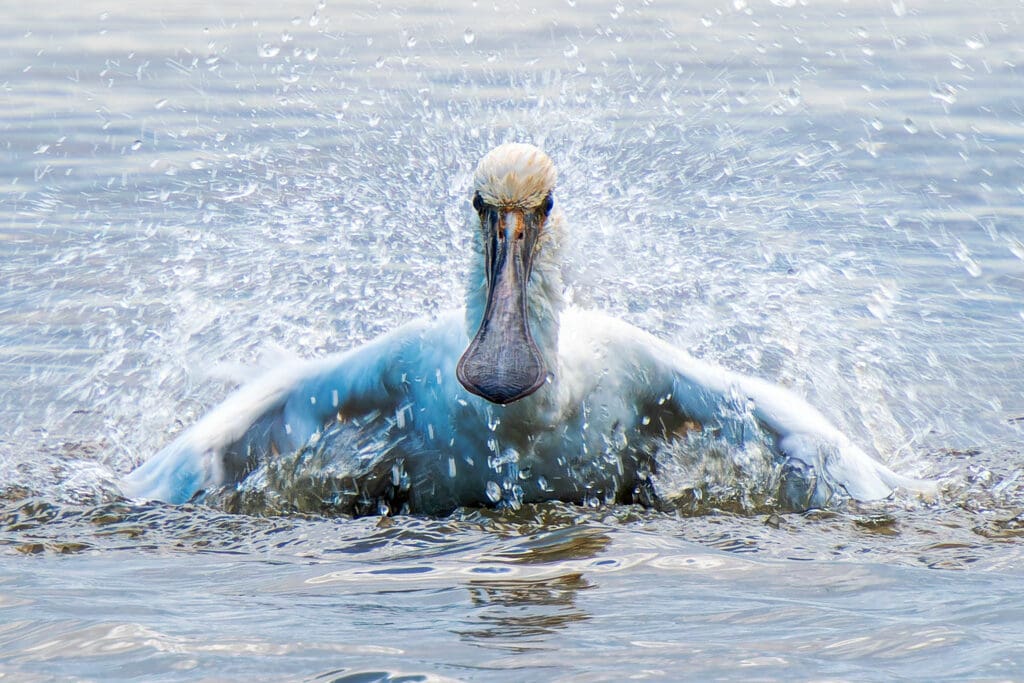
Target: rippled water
827,195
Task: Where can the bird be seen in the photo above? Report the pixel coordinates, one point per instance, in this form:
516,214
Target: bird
519,397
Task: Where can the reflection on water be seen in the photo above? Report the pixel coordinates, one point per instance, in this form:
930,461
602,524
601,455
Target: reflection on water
825,196
553,545
510,611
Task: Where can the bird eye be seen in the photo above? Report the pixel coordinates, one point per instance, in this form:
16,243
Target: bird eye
478,202
549,203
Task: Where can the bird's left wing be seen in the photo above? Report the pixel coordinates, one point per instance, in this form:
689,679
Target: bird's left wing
804,437
277,412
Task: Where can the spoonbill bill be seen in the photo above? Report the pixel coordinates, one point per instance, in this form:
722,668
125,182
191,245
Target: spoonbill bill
519,397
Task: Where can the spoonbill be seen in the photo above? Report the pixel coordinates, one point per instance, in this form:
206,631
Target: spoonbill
519,397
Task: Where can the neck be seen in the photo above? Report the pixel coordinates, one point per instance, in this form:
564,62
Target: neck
545,299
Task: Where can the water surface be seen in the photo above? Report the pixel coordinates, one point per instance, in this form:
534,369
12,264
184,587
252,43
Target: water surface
826,196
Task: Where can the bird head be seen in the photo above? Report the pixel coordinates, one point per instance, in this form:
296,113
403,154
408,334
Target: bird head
512,196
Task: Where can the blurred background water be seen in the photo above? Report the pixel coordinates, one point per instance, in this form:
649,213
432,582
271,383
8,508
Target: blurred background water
828,195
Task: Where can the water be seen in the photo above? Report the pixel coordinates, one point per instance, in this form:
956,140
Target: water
828,196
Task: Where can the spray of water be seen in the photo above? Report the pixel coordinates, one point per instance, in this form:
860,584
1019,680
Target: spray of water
284,187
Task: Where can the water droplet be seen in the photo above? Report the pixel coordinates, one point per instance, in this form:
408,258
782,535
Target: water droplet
379,63
493,492
974,43
872,147
944,92
410,42
160,104
314,19
286,37
516,500
899,8
468,36
966,258
571,51
269,50
910,126
1017,248
136,145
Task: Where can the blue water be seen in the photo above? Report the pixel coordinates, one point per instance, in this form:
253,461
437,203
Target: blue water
826,196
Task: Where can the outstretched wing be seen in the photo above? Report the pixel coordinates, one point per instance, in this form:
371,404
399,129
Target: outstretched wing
803,436
277,412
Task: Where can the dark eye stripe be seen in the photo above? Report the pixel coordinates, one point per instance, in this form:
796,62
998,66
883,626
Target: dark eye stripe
549,203
478,202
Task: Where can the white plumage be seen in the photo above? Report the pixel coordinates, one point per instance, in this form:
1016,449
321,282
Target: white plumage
520,397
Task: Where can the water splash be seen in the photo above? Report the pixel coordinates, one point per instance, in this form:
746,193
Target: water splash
277,219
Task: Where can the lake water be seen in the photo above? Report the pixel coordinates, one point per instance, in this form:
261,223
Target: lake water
828,195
